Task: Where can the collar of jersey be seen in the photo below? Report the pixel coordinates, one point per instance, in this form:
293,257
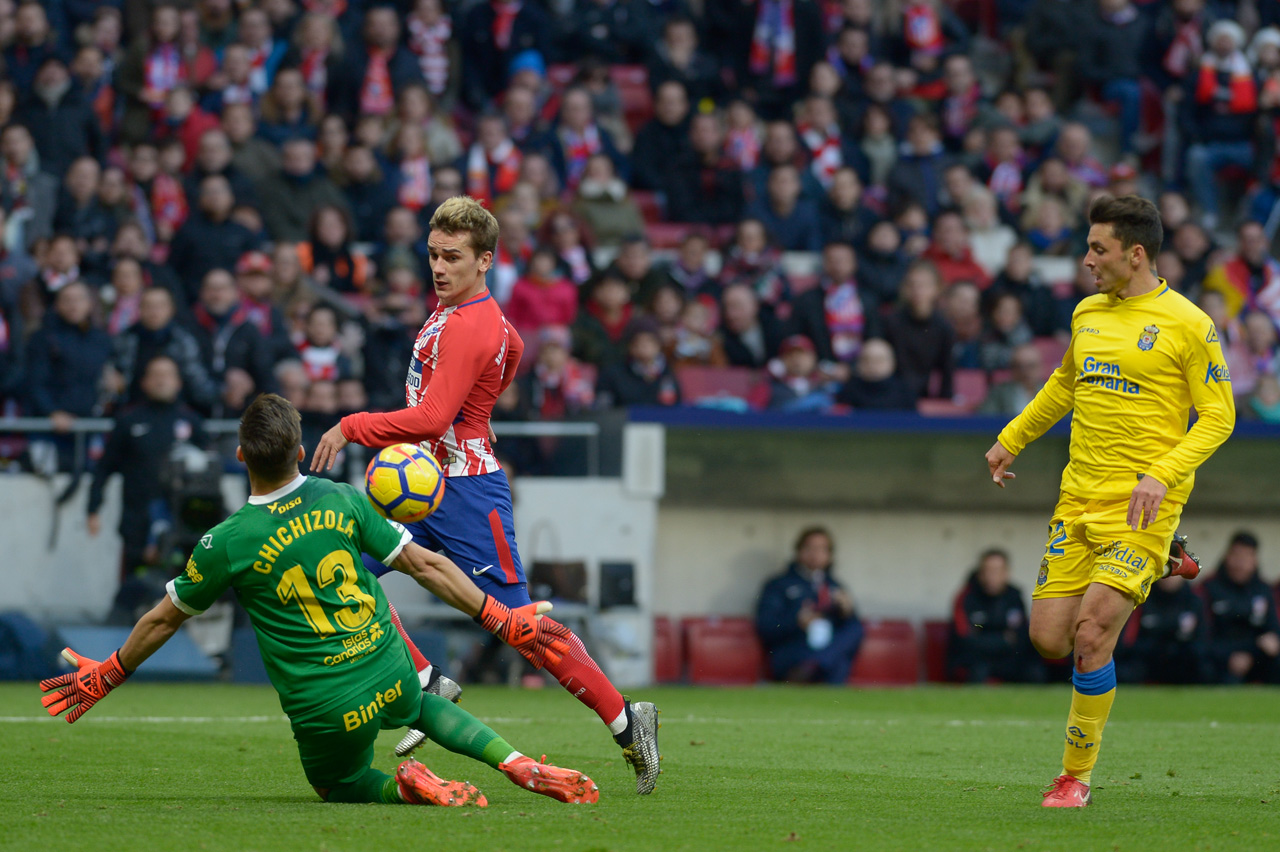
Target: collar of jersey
1154,294
264,499
477,300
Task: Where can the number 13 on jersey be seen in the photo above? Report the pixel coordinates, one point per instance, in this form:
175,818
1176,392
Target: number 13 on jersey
357,605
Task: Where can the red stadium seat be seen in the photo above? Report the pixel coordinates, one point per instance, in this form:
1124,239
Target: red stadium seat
936,635
941,408
667,660
650,209
668,235
889,656
723,650
970,388
633,90
698,384
1051,351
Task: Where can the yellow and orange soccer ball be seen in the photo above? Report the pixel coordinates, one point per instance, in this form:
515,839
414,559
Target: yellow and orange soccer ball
404,483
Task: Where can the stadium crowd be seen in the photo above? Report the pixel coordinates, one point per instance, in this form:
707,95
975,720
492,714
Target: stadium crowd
755,204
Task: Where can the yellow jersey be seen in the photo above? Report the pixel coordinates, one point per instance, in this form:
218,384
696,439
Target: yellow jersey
1133,371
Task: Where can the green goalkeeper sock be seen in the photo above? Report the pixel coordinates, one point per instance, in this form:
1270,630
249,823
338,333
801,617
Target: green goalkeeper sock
372,786
457,730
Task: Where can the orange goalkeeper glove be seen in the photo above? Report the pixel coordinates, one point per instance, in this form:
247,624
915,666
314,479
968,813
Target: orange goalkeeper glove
78,691
539,640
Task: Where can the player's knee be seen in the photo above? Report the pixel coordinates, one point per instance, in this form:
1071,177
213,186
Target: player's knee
1093,641
1050,643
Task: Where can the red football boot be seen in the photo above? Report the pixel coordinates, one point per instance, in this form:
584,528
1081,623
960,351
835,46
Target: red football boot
564,785
420,786
1066,792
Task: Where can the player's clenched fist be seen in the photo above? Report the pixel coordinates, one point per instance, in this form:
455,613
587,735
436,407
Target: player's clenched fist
80,690
539,640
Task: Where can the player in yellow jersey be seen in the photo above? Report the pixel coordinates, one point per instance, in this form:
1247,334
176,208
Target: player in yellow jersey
1141,356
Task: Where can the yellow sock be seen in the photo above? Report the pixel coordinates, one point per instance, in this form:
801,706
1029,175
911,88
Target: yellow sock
1090,706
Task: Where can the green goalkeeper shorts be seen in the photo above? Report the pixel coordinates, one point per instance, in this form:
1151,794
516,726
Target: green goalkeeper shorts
336,745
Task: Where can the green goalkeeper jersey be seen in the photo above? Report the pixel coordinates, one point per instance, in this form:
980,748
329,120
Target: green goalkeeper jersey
294,560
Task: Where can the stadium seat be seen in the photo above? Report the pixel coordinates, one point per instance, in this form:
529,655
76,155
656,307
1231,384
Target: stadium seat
668,235
723,650
699,384
667,658
941,408
1051,351
632,82
650,207
970,388
936,635
889,656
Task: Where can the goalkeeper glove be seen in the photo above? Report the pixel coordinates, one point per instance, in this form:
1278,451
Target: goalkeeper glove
539,640
80,690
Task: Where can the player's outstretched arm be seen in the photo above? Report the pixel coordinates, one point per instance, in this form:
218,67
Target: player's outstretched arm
440,576
78,691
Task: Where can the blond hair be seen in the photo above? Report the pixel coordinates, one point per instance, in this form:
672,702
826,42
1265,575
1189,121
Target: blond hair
462,214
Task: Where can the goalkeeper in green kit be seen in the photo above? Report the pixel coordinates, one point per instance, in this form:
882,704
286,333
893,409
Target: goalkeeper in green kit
293,556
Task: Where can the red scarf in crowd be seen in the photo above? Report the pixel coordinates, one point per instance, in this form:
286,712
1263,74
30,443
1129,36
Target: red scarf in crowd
825,150
570,389
124,313
505,159
578,148
773,42
376,97
430,43
742,147
1186,49
845,319
504,21
415,183
315,72
320,362
165,204
1006,183
163,71
258,68
921,29
1228,82
960,111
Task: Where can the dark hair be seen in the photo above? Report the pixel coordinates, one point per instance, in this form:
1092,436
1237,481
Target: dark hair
1245,539
270,434
993,551
1134,220
809,532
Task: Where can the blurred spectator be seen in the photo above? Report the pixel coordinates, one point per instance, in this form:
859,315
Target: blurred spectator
497,32
951,254
253,30
157,333
321,350
374,69
253,277
806,619
644,377
1110,56
1007,330
209,239
634,263
819,129
1021,278
315,53
875,384
702,183
795,382
963,105
690,270
1003,168
882,264
838,314
1048,231
65,359
230,345
79,212
617,32
1223,99
842,215
989,638
59,265
567,235
152,67
595,77
1196,249
920,337
1056,31
753,261
576,137
320,412
697,341
1251,354
62,124
1053,181
542,297
962,309
917,174
34,42
137,448
252,157
878,145
604,204
663,140
431,38
291,198
394,321
368,191
1008,398
989,239
1264,402
1075,149
744,137
412,166
27,193
288,110
1249,280
492,163
1244,631
330,257
1170,642
598,330
559,386
123,297
677,57
781,147
750,336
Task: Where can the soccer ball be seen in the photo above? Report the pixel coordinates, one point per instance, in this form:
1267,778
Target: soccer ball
404,483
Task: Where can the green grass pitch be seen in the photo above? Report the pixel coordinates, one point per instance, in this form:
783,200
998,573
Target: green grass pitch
168,767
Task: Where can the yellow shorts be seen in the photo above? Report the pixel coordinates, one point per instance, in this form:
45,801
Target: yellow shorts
1090,542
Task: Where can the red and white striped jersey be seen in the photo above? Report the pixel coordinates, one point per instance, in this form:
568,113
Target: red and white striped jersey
463,359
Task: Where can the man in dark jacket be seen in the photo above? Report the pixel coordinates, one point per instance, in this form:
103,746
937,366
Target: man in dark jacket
1111,55
209,239
644,378
370,193
989,636
922,340
214,156
839,313
1244,629
374,70
137,447
157,333
62,123
230,345
493,34
806,619
33,43
1169,642
750,336
615,31
663,140
917,175
875,384
291,198
703,185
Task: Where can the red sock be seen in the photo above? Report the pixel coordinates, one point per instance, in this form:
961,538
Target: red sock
582,678
419,662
